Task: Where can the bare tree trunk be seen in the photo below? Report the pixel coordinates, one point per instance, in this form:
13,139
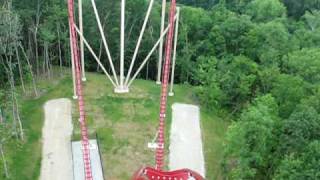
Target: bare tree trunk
100,47
15,108
47,59
59,44
18,118
44,60
31,72
147,72
100,54
30,52
1,116
36,52
35,34
5,166
9,76
20,69
131,28
152,39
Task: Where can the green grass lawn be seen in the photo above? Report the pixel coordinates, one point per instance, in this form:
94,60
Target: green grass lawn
124,124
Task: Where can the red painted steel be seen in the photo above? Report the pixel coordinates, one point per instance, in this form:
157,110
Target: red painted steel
144,173
81,105
150,173
164,89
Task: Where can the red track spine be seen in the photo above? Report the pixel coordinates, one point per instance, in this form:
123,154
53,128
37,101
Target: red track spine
84,130
164,89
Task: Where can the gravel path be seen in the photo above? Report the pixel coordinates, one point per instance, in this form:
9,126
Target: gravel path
56,136
185,139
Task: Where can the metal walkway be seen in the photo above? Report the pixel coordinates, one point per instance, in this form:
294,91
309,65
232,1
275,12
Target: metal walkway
78,167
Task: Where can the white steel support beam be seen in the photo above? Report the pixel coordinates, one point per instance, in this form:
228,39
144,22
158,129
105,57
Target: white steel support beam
150,53
121,88
139,40
163,17
104,41
171,93
75,96
95,56
81,41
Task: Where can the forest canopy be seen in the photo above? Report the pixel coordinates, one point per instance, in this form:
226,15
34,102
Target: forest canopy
255,61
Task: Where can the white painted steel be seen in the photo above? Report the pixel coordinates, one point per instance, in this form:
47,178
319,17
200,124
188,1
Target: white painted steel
163,17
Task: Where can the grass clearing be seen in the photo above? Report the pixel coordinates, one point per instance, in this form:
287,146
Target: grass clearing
124,123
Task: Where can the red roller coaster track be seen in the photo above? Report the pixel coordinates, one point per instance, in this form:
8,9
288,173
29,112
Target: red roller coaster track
84,130
158,173
147,172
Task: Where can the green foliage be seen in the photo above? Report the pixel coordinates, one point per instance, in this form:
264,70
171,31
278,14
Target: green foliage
10,29
288,91
312,19
209,91
297,9
229,32
250,140
304,63
302,127
302,166
265,10
268,42
238,5
257,60
207,4
267,76
305,38
237,80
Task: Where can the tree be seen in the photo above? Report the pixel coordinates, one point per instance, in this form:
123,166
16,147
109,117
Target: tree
237,79
267,76
303,37
265,10
268,42
305,63
302,127
9,37
288,91
209,91
250,141
4,136
238,5
234,30
301,166
312,19
207,4
297,9
229,32
195,26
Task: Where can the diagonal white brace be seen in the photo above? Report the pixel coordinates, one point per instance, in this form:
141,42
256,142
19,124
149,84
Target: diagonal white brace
149,55
104,40
139,41
95,56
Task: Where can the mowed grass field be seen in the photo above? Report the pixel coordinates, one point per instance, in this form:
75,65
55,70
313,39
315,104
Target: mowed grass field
124,124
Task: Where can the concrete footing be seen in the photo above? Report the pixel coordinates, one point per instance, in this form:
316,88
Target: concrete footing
121,89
